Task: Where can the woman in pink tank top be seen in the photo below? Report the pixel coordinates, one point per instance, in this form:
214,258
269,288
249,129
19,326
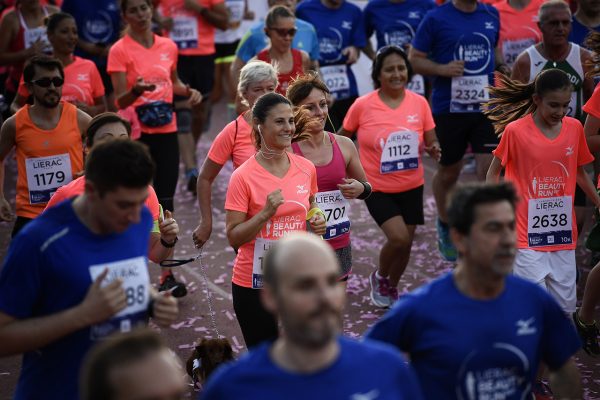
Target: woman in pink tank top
340,176
280,27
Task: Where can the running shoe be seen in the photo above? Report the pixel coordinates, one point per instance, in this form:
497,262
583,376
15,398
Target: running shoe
380,291
393,294
176,288
588,334
447,249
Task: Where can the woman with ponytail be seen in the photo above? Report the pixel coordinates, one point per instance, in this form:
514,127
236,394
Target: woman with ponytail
542,151
269,196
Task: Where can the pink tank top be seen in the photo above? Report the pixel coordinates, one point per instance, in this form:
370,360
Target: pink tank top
330,199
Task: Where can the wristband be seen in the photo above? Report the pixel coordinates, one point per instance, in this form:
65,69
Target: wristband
314,211
366,192
168,245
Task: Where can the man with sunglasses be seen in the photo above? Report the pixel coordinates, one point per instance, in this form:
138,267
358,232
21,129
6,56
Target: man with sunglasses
47,137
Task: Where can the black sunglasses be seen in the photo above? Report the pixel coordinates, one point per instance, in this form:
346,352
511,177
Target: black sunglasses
46,82
285,32
388,48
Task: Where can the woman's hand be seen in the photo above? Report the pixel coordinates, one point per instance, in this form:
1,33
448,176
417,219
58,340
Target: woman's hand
351,188
274,200
434,150
318,224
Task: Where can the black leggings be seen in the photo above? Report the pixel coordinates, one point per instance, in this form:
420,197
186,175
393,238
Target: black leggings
164,150
256,322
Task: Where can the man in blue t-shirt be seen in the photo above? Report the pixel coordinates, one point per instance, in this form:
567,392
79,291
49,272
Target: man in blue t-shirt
310,360
341,34
78,273
395,22
585,20
455,46
480,332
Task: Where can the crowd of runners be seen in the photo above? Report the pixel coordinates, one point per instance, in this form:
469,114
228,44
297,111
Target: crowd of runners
103,100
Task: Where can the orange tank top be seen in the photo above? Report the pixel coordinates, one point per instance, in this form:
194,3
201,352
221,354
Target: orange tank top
46,159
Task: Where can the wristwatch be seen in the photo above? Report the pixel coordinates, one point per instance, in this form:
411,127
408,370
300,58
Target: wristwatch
168,245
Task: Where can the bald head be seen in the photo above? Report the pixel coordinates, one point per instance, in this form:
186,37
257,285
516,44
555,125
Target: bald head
295,251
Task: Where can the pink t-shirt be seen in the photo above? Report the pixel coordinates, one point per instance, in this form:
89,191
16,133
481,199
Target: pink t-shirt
77,187
155,65
390,140
232,144
544,172
82,83
248,189
592,106
518,29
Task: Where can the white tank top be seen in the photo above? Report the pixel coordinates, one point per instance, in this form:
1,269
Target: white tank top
31,35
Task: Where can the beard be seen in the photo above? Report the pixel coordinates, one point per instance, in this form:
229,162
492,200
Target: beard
48,100
314,330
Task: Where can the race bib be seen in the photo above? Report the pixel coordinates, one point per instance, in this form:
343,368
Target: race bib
336,209
185,32
468,92
336,78
260,249
45,175
573,105
549,221
136,282
417,84
512,48
400,152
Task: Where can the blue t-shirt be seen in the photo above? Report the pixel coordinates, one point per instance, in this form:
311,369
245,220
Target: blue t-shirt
368,369
395,23
448,34
463,348
336,30
256,40
48,269
98,21
579,32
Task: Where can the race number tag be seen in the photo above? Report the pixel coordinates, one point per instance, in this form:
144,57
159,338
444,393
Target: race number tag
185,32
336,209
45,175
512,48
468,92
401,152
336,78
549,221
417,85
260,249
134,274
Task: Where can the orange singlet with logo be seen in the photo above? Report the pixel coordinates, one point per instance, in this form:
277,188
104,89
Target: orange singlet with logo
46,159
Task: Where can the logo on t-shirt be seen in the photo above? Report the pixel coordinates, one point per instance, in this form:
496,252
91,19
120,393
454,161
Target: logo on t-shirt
525,328
570,150
399,35
475,50
301,189
414,15
489,25
412,118
83,77
347,25
373,394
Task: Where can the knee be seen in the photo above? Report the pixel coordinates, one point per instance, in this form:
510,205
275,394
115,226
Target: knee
400,242
448,174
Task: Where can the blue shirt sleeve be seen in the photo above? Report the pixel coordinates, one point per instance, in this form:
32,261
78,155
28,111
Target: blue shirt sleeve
368,17
20,281
314,52
424,37
250,45
392,328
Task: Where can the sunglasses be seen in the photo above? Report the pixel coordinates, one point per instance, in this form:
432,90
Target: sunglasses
46,82
285,32
388,48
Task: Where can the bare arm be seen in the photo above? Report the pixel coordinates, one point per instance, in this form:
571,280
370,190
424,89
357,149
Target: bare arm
493,174
354,168
343,132
216,15
208,173
566,382
585,183
369,51
520,71
306,63
236,67
423,65
98,107
591,128
18,102
7,142
9,28
588,81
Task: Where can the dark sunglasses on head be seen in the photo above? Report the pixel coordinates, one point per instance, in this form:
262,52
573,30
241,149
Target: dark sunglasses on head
285,32
46,82
389,47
